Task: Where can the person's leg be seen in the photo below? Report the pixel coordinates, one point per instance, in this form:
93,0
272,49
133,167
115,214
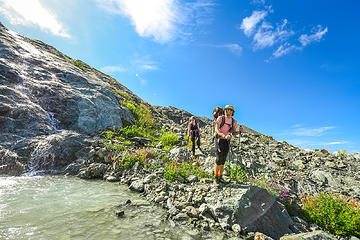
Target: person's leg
225,151
193,144
198,141
220,159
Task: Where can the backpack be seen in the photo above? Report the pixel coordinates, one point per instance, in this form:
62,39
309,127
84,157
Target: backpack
218,111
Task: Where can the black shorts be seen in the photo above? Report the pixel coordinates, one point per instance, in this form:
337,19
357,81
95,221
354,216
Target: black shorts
222,151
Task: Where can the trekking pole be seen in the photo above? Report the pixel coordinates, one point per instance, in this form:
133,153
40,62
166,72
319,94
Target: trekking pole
239,144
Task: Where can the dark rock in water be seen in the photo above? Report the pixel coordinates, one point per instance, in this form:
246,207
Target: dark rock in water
120,214
49,107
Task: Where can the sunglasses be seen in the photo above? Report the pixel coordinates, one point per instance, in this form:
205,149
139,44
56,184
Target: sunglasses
227,109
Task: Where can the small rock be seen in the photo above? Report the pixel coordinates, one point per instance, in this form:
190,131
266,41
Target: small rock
120,214
236,228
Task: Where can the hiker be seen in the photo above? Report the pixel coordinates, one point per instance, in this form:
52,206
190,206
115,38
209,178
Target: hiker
194,132
225,127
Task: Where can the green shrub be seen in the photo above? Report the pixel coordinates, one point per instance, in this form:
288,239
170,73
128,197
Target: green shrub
169,139
137,131
173,170
236,172
342,154
108,134
127,143
123,94
78,63
262,138
128,160
334,213
141,113
114,147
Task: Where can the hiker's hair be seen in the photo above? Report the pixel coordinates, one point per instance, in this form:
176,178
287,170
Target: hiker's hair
192,117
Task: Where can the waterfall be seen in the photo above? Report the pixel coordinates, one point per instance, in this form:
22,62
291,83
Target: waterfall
53,121
43,156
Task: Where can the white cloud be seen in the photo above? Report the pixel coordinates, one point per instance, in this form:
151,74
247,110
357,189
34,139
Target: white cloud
248,24
232,47
161,19
144,64
31,12
112,69
284,49
336,143
149,67
315,37
311,132
266,36
261,2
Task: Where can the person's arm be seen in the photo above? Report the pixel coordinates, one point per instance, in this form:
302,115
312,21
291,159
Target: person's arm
188,131
240,129
217,129
199,128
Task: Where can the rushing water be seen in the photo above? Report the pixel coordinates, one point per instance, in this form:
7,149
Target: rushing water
57,207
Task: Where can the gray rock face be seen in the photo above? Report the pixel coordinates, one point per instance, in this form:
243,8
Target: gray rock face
48,106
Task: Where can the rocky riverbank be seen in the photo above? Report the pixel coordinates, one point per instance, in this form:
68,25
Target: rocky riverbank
239,208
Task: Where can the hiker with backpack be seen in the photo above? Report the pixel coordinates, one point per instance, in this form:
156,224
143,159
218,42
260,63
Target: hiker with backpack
225,127
194,132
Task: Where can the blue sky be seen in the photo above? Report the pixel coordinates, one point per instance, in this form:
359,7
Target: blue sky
290,68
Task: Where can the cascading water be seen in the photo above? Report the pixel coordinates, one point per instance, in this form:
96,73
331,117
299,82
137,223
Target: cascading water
43,157
53,122
43,153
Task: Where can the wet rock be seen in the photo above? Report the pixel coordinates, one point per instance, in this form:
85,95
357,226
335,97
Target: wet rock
94,170
120,214
181,217
137,186
112,179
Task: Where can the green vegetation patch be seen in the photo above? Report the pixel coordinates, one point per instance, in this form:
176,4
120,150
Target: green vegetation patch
334,213
169,139
144,156
173,170
78,63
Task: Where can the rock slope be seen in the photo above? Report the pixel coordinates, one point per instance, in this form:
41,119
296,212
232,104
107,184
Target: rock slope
50,105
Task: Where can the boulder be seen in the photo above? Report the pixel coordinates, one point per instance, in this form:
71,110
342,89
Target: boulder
254,209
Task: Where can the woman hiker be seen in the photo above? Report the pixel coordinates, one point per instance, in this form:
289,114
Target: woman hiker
225,127
194,132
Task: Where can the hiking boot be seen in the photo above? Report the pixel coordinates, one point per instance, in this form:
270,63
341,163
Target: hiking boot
222,180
